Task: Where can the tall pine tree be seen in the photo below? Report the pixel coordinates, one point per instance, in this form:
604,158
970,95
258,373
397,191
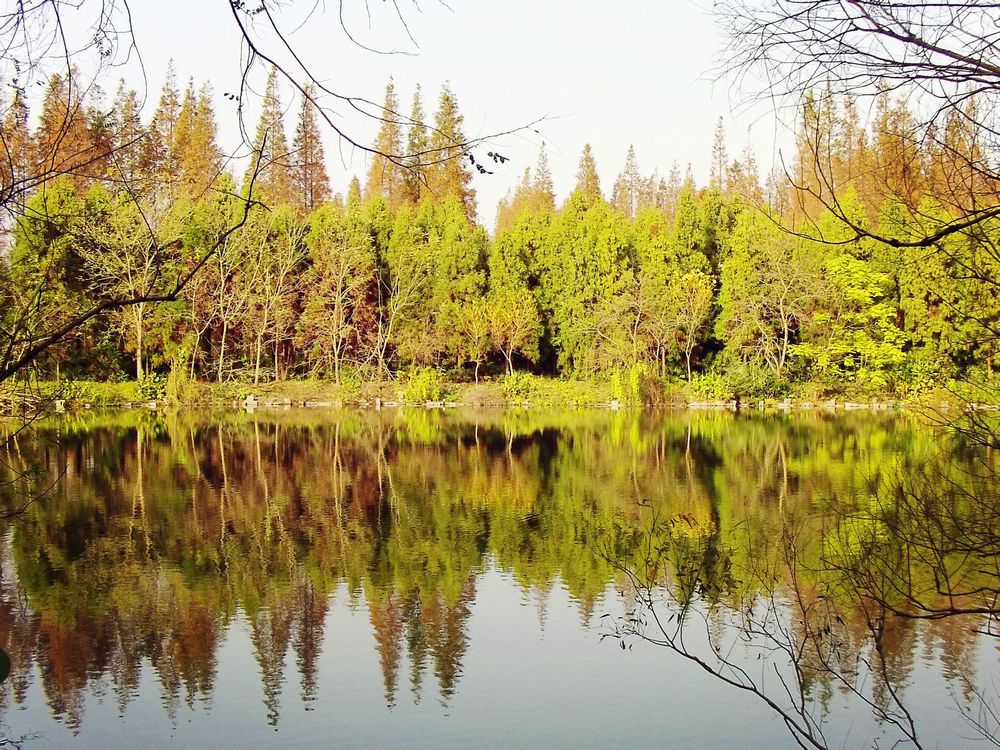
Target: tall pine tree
16,144
628,187
588,184
385,176
156,148
717,170
449,174
416,145
309,181
200,160
271,159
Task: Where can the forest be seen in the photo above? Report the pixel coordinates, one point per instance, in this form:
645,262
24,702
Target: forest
658,280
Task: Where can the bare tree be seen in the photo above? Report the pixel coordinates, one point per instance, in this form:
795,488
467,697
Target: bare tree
944,57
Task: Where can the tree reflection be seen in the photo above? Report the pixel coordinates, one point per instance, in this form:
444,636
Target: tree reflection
166,528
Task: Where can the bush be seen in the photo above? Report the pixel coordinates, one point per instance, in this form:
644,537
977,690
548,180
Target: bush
638,386
709,386
153,387
749,381
518,387
101,394
422,384
179,388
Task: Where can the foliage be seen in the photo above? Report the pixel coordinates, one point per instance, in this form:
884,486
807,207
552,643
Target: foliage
421,384
664,278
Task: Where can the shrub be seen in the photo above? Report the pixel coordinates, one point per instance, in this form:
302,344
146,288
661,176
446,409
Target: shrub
637,386
153,387
709,386
749,381
422,384
179,387
518,387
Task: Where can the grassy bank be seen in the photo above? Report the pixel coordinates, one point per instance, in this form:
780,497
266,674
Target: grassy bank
429,386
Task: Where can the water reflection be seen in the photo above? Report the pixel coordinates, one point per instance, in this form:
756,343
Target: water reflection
165,530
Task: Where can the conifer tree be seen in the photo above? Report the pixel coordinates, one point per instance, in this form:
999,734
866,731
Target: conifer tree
62,140
354,191
544,191
100,136
16,145
588,184
717,170
386,178
628,187
183,127
416,146
270,149
310,183
449,175
161,130
129,136
201,160
514,204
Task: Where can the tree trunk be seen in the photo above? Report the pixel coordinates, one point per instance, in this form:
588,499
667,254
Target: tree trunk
222,349
260,346
477,372
138,343
336,361
510,362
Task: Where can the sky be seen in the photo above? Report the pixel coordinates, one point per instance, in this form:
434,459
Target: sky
614,74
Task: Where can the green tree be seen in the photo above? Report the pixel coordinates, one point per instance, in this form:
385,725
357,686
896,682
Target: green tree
417,144
448,173
341,272
588,184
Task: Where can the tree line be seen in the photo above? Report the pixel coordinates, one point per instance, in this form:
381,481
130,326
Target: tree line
662,278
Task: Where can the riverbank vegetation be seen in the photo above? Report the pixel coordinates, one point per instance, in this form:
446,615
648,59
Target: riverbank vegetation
654,282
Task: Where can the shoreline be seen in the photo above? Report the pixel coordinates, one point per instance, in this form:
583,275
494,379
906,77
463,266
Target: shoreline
539,393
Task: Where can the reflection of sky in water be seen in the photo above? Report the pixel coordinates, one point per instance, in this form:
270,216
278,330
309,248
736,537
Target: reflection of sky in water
533,672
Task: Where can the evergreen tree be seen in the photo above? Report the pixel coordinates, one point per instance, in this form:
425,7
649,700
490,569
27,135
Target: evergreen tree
183,127
16,140
156,151
201,163
588,184
63,140
270,149
310,183
417,144
626,195
385,177
533,195
354,191
449,173
544,191
717,170
129,137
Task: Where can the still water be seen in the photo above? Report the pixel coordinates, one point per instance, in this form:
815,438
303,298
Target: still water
493,579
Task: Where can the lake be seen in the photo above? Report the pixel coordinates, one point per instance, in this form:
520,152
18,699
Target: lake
573,578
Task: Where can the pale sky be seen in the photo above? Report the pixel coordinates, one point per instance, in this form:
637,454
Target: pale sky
608,73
